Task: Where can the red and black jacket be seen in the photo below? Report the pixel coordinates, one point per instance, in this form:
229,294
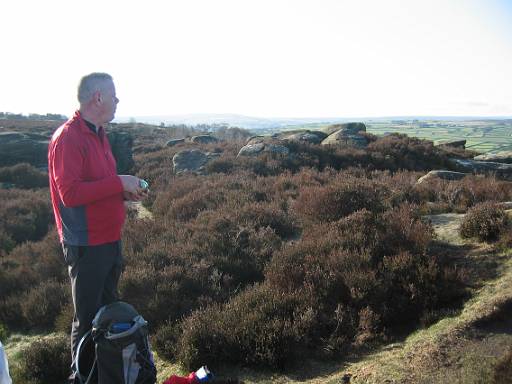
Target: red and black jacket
87,194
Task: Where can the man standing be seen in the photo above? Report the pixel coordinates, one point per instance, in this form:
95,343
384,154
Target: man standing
88,201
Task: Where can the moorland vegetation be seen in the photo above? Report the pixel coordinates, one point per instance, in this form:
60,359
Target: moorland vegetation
260,261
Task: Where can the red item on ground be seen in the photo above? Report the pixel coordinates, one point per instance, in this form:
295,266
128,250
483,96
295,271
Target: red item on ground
190,379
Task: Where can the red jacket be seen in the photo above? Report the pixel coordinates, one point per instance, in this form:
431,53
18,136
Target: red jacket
87,194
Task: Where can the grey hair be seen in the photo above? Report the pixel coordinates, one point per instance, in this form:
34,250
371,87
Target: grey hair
91,83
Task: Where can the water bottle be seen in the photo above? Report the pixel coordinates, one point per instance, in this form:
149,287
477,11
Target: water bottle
120,327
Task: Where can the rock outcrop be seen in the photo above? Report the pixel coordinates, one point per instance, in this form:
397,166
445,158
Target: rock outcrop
499,157
347,128
346,135
441,174
453,144
261,144
122,143
173,142
203,139
311,137
193,161
18,147
500,170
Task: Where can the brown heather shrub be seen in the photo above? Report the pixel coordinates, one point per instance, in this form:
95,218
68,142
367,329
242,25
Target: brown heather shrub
42,304
341,198
485,222
173,268
459,195
24,175
503,369
25,216
45,361
261,215
259,327
397,151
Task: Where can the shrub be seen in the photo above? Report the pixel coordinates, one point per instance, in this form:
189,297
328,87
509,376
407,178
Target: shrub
25,216
503,369
485,221
398,151
42,304
258,327
24,175
4,332
46,361
341,198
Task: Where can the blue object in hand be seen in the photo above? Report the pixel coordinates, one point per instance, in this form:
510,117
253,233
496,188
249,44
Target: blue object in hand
143,184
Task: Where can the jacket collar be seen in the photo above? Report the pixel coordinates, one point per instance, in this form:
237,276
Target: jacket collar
83,125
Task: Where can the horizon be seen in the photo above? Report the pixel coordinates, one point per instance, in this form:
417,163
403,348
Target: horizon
271,59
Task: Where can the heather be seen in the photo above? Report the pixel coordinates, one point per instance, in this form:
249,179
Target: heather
262,261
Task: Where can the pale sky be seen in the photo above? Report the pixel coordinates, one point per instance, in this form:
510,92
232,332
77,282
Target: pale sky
265,58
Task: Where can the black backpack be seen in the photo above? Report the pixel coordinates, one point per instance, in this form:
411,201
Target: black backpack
116,350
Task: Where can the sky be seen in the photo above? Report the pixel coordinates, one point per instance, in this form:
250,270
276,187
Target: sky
263,58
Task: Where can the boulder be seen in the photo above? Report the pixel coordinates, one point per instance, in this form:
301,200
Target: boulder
251,149
441,174
18,147
312,137
121,144
203,139
499,157
192,160
347,128
453,143
259,139
500,170
173,142
257,148
341,138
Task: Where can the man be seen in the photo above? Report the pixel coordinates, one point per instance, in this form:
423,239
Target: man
88,201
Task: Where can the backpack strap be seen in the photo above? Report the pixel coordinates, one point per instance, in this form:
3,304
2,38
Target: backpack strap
76,363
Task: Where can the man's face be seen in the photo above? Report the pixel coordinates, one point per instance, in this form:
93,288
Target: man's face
109,102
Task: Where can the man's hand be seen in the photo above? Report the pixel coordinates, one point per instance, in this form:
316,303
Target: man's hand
135,196
131,184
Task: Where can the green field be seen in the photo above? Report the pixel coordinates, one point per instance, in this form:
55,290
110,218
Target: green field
484,136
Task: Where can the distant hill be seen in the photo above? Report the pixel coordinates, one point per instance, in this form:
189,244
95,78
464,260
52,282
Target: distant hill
251,122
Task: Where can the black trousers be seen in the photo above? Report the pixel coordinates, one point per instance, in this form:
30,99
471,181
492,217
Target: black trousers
94,271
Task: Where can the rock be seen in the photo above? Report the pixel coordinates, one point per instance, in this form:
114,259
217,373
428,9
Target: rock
312,137
192,161
257,148
347,128
441,174
173,142
501,170
18,147
453,144
203,139
341,138
505,205
276,148
255,139
251,149
499,157
121,144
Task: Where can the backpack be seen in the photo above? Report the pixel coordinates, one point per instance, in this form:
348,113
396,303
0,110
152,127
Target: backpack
116,350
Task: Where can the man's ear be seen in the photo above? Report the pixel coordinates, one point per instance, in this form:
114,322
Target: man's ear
98,98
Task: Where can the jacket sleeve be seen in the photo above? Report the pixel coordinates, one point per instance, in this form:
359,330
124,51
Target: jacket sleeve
68,163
